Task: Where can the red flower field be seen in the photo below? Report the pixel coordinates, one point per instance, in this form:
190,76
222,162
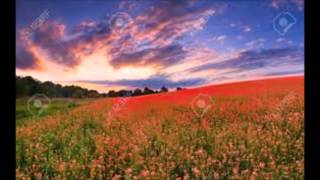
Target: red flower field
243,130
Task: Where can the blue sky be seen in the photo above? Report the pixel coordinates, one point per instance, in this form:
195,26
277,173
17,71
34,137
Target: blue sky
128,44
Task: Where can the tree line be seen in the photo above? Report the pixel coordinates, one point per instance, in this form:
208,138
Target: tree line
28,86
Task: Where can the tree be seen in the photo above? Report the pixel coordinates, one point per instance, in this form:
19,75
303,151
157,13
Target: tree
93,94
137,92
147,91
163,89
78,94
180,88
112,93
32,86
49,89
103,94
20,87
28,86
124,93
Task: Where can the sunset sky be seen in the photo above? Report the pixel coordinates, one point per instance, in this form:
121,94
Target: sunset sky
107,45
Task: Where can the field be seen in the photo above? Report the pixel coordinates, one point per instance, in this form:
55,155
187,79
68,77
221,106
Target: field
245,130
23,114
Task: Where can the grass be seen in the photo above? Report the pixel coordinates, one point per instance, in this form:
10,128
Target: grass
56,105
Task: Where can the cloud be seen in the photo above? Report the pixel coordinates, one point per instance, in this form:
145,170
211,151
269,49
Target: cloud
162,56
150,38
277,73
169,20
25,59
247,29
290,42
239,37
255,43
299,4
152,82
47,39
254,59
279,40
232,25
219,38
277,4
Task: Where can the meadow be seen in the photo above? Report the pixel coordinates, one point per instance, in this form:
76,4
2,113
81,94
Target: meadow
56,105
250,130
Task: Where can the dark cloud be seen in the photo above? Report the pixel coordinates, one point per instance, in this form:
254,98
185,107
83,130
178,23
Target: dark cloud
150,38
254,59
162,56
48,33
169,20
25,59
283,73
153,82
89,31
153,37
50,38
47,38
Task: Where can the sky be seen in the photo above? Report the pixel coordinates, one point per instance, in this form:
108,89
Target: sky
127,44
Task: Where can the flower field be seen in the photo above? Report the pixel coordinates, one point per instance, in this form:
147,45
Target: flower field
249,130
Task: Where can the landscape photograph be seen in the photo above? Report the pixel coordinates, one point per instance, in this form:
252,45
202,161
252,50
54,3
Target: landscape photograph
159,89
